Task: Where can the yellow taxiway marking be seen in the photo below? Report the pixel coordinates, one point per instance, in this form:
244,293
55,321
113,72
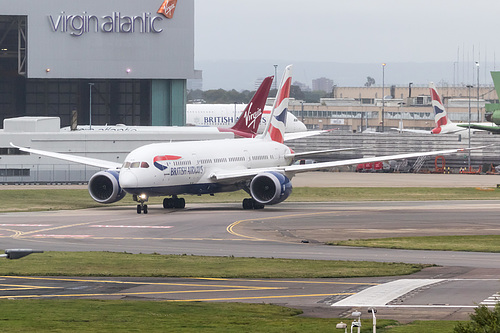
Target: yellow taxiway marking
131,294
230,228
259,297
11,287
231,287
291,281
23,234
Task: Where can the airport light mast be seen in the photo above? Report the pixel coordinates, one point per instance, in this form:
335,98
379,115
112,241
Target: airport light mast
383,95
478,112
468,156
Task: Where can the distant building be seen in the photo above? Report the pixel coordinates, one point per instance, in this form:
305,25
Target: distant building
322,84
302,86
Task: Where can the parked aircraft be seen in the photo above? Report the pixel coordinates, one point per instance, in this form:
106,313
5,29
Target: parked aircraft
262,166
225,115
493,126
443,124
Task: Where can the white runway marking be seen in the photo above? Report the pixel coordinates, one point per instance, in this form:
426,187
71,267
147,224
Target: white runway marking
382,294
492,300
132,226
24,225
62,236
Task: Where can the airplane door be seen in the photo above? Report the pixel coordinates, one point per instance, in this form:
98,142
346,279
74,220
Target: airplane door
248,160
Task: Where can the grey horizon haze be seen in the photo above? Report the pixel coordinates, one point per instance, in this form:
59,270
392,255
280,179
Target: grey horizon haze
237,42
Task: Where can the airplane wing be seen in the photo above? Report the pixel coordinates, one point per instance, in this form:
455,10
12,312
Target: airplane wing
72,158
490,128
293,169
318,152
300,135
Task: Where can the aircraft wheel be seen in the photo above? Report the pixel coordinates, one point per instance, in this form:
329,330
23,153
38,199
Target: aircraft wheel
180,203
247,203
168,203
139,209
145,209
257,205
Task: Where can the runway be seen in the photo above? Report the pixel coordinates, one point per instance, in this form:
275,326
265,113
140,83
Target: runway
289,230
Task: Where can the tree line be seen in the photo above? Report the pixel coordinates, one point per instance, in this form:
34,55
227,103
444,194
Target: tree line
221,96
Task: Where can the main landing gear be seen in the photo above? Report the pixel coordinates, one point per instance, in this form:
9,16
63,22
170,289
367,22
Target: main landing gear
252,204
174,202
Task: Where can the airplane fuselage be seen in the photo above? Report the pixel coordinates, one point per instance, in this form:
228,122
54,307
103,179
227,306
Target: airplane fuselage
225,115
187,167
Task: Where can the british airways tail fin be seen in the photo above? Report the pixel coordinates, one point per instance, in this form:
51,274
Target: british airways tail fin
440,115
275,129
249,121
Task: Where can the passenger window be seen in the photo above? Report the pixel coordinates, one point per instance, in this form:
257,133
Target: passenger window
135,165
144,165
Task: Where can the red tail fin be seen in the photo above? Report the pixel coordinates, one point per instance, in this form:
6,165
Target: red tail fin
249,121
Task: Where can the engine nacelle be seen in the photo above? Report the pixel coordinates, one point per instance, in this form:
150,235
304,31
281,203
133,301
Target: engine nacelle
105,188
270,188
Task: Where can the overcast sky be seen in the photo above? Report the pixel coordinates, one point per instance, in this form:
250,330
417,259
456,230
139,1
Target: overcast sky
342,31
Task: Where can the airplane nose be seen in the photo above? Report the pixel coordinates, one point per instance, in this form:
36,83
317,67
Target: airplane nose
128,179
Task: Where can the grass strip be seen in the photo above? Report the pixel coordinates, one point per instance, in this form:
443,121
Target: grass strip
146,316
155,265
61,199
475,243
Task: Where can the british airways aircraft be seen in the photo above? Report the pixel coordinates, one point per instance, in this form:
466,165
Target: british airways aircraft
261,166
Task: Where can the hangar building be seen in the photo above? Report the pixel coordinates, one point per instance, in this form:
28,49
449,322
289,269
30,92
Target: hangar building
113,62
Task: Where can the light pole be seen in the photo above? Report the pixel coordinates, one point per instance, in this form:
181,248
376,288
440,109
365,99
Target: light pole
383,94
275,76
477,65
468,156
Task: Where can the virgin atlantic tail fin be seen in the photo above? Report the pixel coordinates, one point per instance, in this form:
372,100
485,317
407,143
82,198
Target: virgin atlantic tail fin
275,129
249,121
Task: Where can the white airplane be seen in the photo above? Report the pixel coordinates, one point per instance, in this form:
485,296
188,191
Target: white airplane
262,166
225,115
443,124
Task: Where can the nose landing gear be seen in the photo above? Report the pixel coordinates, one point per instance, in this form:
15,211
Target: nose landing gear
141,207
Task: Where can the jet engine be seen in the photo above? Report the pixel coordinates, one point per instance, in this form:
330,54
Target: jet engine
105,188
270,188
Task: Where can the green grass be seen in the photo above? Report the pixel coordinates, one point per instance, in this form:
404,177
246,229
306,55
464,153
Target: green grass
486,243
59,199
164,316
155,265
144,316
418,326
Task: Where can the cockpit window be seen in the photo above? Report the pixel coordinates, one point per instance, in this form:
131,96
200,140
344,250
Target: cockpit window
135,165
126,165
144,165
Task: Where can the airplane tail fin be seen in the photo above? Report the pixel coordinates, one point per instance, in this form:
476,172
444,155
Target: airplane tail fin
275,129
440,115
248,123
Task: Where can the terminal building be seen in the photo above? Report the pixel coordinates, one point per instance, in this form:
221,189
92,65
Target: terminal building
357,109
110,61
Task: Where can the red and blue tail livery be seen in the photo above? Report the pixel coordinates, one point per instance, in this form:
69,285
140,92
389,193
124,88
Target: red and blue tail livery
278,120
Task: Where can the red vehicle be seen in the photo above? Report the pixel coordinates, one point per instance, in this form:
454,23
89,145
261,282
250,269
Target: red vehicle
370,167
